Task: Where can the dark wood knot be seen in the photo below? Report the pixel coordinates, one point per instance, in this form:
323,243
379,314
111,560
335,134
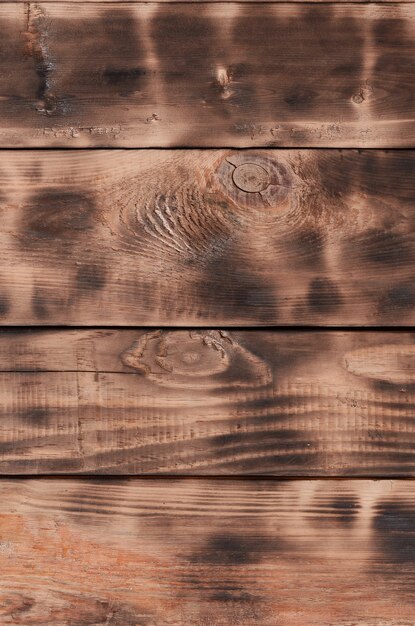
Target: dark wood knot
251,177
256,180
183,358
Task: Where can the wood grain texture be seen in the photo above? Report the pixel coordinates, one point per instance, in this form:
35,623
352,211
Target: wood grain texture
138,75
217,553
210,1
207,237
207,403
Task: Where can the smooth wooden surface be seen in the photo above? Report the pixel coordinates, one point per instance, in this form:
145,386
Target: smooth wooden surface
207,403
217,553
207,238
207,74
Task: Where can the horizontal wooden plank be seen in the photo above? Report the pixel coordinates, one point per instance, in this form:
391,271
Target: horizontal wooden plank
207,74
207,238
157,553
204,1
207,403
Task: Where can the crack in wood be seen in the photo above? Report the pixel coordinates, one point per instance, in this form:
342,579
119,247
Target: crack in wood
38,48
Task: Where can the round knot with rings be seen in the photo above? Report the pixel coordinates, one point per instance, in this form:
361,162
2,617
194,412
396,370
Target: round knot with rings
251,177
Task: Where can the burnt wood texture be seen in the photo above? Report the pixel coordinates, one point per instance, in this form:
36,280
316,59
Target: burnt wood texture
157,553
207,294
211,1
207,237
207,402
207,74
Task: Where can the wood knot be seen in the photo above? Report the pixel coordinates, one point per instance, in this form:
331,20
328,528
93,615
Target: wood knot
256,180
251,177
182,358
365,93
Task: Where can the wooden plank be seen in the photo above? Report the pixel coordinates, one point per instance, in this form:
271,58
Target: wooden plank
138,75
207,238
207,403
204,1
157,553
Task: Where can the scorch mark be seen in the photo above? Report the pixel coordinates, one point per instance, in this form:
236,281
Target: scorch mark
37,48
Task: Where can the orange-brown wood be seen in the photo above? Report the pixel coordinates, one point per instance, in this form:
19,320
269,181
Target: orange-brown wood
207,238
207,403
205,1
207,74
157,553
206,421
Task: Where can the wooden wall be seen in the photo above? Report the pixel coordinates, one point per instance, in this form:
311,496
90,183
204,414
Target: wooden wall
207,301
